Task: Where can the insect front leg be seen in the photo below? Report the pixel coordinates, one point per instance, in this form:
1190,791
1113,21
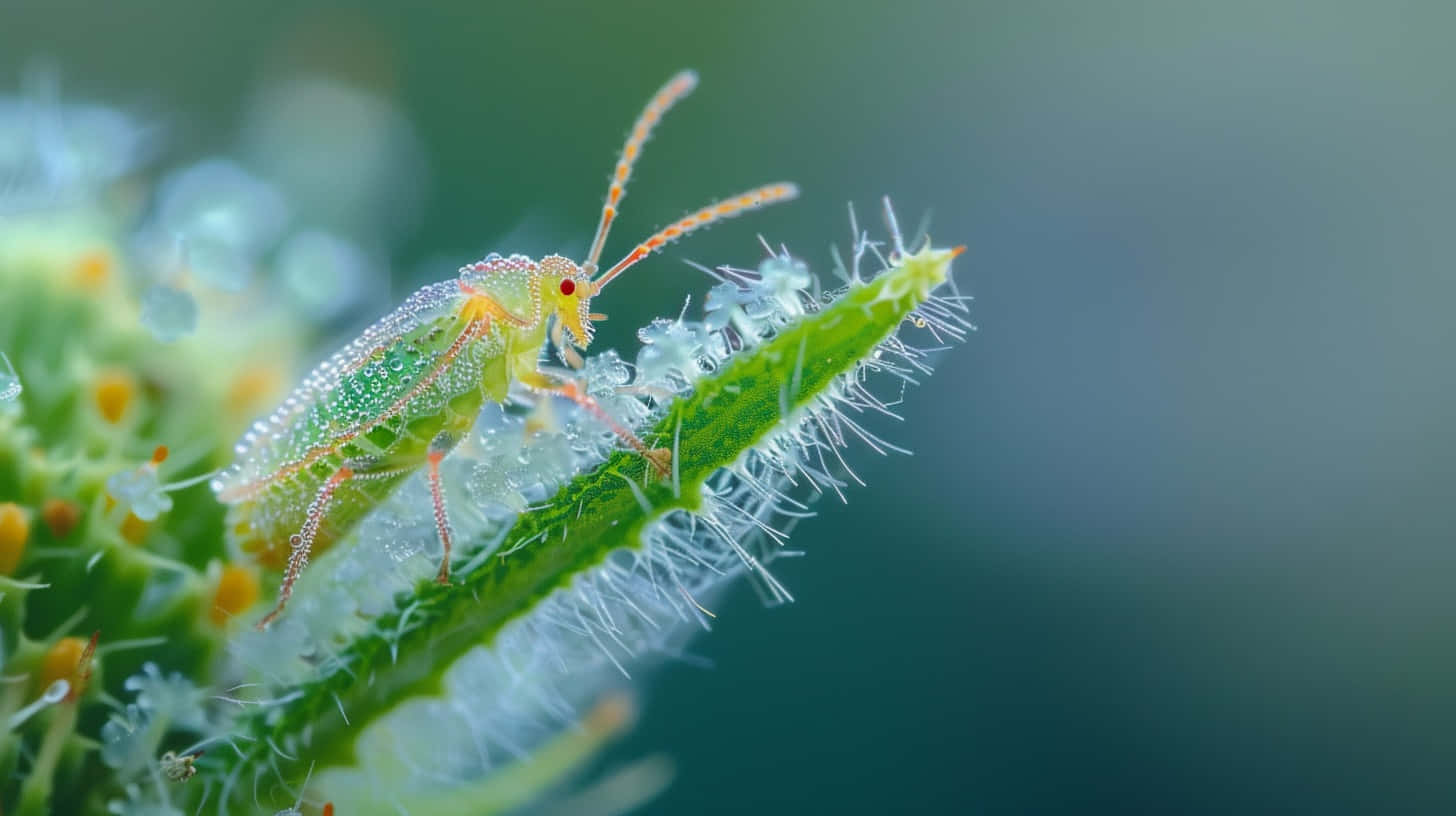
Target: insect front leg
568,355
659,458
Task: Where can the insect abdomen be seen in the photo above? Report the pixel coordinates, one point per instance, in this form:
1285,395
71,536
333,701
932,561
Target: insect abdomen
377,419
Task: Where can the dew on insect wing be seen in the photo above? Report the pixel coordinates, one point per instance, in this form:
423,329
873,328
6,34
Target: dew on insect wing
168,313
427,402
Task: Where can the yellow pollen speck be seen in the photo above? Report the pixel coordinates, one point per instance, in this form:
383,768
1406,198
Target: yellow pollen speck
61,516
92,269
237,589
133,529
62,661
114,391
14,532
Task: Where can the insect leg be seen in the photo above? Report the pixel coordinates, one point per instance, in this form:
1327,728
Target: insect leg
659,458
568,354
439,446
302,541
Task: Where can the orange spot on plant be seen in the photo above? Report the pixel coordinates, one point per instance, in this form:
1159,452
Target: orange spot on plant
14,533
114,391
133,529
61,516
69,659
93,268
609,716
237,590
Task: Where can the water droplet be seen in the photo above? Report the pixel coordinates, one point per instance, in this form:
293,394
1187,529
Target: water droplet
9,381
168,313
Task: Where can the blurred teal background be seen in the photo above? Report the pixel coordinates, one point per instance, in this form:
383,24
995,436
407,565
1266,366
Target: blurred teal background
1178,533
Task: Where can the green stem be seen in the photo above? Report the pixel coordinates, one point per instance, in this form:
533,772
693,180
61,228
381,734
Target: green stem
35,791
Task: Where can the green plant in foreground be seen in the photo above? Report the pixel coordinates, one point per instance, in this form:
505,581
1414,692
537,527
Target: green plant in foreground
381,691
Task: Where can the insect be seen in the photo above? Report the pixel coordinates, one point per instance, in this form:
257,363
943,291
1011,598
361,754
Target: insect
401,395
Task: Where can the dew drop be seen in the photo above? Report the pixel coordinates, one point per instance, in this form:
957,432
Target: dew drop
9,381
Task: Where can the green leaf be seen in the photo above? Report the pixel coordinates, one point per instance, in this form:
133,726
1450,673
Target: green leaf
759,395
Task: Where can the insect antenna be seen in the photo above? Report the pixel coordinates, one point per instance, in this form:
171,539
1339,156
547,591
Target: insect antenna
717,211
676,88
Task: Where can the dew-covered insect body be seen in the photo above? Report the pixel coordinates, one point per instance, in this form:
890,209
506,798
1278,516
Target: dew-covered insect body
402,394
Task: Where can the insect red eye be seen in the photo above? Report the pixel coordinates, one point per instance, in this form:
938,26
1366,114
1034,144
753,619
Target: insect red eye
568,286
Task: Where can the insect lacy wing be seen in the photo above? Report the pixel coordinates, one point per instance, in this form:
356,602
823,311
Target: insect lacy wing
262,447
493,273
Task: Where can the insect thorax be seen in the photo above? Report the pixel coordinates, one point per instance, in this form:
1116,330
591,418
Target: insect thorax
509,281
